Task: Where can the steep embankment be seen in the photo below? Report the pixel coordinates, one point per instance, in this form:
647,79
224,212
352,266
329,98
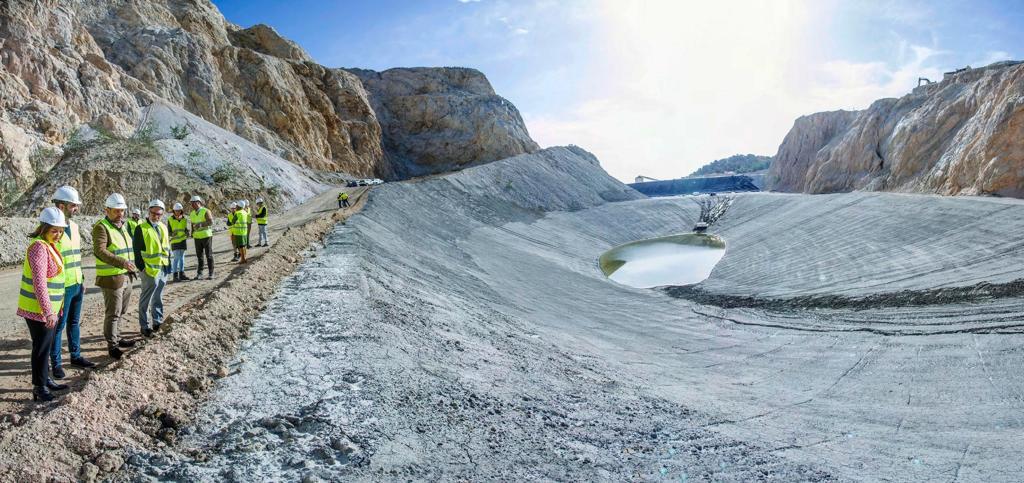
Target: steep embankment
479,338
963,135
501,328
65,65
463,330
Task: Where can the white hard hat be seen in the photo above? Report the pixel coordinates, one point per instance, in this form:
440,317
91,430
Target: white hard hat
116,201
243,203
234,204
177,206
67,194
53,217
155,203
196,198
259,200
136,211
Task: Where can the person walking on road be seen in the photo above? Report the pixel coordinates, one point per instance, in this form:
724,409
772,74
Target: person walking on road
152,246
115,271
41,297
261,223
202,234
67,200
178,226
343,200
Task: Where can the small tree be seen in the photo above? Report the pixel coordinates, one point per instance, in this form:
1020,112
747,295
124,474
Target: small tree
713,207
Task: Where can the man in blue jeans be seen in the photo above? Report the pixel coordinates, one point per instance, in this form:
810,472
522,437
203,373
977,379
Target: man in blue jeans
67,200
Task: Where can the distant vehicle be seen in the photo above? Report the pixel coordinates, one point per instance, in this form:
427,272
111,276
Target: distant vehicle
376,181
352,183
362,182
696,193
700,227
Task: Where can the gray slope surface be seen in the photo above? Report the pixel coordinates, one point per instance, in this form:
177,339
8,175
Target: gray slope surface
479,339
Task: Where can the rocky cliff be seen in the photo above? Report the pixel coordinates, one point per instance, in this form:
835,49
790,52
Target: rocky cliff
65,65
963,135
441,119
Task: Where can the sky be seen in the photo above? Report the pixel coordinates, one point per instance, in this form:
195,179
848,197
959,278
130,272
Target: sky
659,87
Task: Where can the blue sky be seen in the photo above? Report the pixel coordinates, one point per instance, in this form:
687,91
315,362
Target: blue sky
659,87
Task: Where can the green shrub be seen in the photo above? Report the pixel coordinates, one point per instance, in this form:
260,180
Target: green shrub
224,173
179,132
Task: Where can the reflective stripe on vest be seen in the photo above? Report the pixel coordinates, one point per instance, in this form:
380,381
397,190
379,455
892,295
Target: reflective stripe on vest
156,253
120,245
71,249
197,217
54,286
261,216
179,229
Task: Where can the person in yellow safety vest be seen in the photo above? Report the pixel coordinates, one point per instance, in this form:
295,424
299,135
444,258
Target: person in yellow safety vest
177,223
67,200
232,214
261,223
152,246
202,233
115,271
342,200
238,223
248,222
42,297
133,222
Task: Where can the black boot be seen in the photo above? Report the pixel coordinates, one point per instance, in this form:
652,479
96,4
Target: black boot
58,372
177,278
41,394
53,386
183,277
115,353
82,362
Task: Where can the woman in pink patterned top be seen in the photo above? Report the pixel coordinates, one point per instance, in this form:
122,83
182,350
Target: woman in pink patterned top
38,301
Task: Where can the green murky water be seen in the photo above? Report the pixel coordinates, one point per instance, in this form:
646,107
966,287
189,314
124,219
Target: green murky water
670,260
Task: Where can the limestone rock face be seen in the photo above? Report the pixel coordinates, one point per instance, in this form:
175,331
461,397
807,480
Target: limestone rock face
964,135
53,78
249,81
443,118
68,66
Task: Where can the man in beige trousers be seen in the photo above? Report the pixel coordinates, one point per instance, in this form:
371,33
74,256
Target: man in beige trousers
115,270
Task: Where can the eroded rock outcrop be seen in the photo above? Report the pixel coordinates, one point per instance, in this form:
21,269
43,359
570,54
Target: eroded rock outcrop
68,64
441,119
964,135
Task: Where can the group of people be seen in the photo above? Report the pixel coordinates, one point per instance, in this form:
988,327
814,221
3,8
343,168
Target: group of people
126,249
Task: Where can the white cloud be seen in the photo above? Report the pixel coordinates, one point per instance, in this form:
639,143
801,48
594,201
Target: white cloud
469,1
680,84
991,57
520,31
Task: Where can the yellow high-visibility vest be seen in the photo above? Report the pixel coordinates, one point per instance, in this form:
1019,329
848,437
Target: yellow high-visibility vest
261,216
54,286
71,249
179,229
119,242
156,253
238,223
196,217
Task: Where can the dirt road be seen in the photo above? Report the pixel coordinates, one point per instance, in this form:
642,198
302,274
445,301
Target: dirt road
15,373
